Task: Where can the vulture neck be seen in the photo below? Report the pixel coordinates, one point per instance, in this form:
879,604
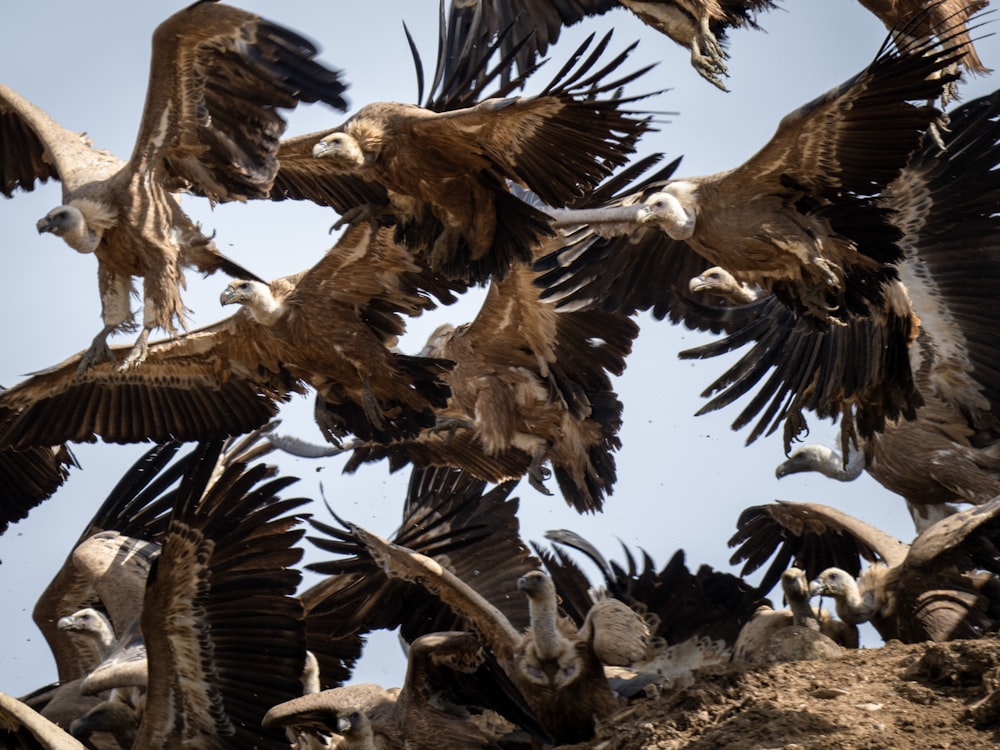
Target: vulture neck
264,307
824,460
544,627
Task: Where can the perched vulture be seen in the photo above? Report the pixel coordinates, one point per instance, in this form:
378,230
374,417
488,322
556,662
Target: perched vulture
445,173
329,327
795,634
694,618
557,666
427,713
698,25
943,586
218,76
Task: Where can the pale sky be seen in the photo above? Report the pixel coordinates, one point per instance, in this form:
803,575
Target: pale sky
682,481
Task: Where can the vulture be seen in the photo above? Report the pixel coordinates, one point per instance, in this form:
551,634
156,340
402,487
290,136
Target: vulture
445,173
950,451
941,587
422,715
694,618
211,125
22,726
530,386
699,25
799,633
329,327
556,665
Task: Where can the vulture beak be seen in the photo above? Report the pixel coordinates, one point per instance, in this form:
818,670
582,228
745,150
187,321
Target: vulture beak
697,283
344,724
320,148
45,224
228,296
816,587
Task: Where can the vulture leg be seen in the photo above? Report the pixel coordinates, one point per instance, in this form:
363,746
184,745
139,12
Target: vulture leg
707,55
370,212
138,353
537,473
98,352
371,406
451,425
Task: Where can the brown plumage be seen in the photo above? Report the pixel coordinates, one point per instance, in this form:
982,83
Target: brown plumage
445,172
942,586
218,76
25,727
30,477
329,327
698,25
530,386
794,634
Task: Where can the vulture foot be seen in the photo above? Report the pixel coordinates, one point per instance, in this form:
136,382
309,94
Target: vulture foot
371,406
369,212
98,352
537,473
449,426
138,353
707,57
304,449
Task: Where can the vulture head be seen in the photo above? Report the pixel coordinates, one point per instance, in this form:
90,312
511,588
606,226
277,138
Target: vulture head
255,296
854,605
341,151
70,223
549,658
816,457
719,281
673,209
113,716
91,624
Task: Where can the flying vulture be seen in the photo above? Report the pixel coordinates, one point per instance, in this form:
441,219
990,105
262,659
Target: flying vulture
211,126
329,327
445,173
794,634
698,25
943,586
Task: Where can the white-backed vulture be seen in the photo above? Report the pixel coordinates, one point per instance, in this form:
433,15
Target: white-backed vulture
698,25
795,634
942,586
329,327
428,712
218,76
445,173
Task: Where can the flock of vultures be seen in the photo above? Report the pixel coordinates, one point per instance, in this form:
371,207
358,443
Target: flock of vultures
846,267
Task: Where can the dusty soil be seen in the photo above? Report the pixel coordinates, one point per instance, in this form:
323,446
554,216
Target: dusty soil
898,696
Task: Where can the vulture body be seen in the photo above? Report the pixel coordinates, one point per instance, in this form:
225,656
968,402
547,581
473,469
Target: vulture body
218,76
950,452
329,327
445,173
941,587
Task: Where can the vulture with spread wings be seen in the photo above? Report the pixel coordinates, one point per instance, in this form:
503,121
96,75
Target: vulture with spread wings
330,327
211,126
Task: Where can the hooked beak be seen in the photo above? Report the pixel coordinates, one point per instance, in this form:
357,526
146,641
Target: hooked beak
228,296
320,149
45,224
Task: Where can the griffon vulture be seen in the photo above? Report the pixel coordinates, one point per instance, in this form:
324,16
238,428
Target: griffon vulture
694,618
794,634
218,76
446,173
941,587
698,25
329,327
428,713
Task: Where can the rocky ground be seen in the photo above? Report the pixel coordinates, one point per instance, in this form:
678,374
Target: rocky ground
898,696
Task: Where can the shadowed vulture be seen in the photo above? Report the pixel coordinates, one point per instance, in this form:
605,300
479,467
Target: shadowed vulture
698,25
427,713
218,76
330,327
446,172
943,586
794,634
694,618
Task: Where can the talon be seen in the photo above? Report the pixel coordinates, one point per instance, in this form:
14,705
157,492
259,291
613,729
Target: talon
450,425
537,473
138,353
98,352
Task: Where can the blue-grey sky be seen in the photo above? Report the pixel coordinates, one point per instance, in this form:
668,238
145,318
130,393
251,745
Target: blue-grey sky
682,480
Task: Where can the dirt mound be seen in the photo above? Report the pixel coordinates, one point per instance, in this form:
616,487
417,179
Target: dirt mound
898,696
